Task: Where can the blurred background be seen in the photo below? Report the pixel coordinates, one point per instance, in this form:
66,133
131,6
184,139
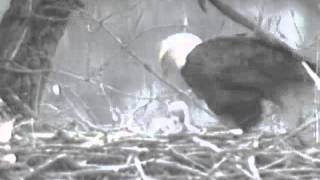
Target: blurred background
98,67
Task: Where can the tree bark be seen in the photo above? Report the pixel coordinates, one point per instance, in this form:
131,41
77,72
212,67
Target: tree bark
29,34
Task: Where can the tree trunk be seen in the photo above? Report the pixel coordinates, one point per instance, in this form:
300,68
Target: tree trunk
29,33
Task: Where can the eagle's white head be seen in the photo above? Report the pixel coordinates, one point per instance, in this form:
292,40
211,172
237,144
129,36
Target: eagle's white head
176,48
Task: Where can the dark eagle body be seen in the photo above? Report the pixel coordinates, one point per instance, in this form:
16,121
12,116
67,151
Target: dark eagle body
233,75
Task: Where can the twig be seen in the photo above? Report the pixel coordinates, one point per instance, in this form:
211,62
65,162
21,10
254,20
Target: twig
139,167
186,159
206,144
244,171
253,168
298,129
178,166
148,68
12,97
297,170
140,140
48,164
26,70
296,26
217,165
101,170
274,163
306,157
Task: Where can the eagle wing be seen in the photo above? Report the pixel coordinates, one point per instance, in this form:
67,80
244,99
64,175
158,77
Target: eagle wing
234,74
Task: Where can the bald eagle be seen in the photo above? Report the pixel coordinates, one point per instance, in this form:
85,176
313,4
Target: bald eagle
234,75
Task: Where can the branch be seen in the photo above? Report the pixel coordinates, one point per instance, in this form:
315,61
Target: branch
146,66
265,36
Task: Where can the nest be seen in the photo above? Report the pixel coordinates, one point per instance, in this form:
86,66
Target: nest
120,154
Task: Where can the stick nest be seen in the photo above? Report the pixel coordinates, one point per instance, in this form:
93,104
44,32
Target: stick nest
120,154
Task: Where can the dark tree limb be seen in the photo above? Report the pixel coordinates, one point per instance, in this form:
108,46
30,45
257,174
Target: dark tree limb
29,33
265,36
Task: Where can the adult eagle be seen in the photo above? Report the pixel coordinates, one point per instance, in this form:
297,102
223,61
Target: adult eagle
233,75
